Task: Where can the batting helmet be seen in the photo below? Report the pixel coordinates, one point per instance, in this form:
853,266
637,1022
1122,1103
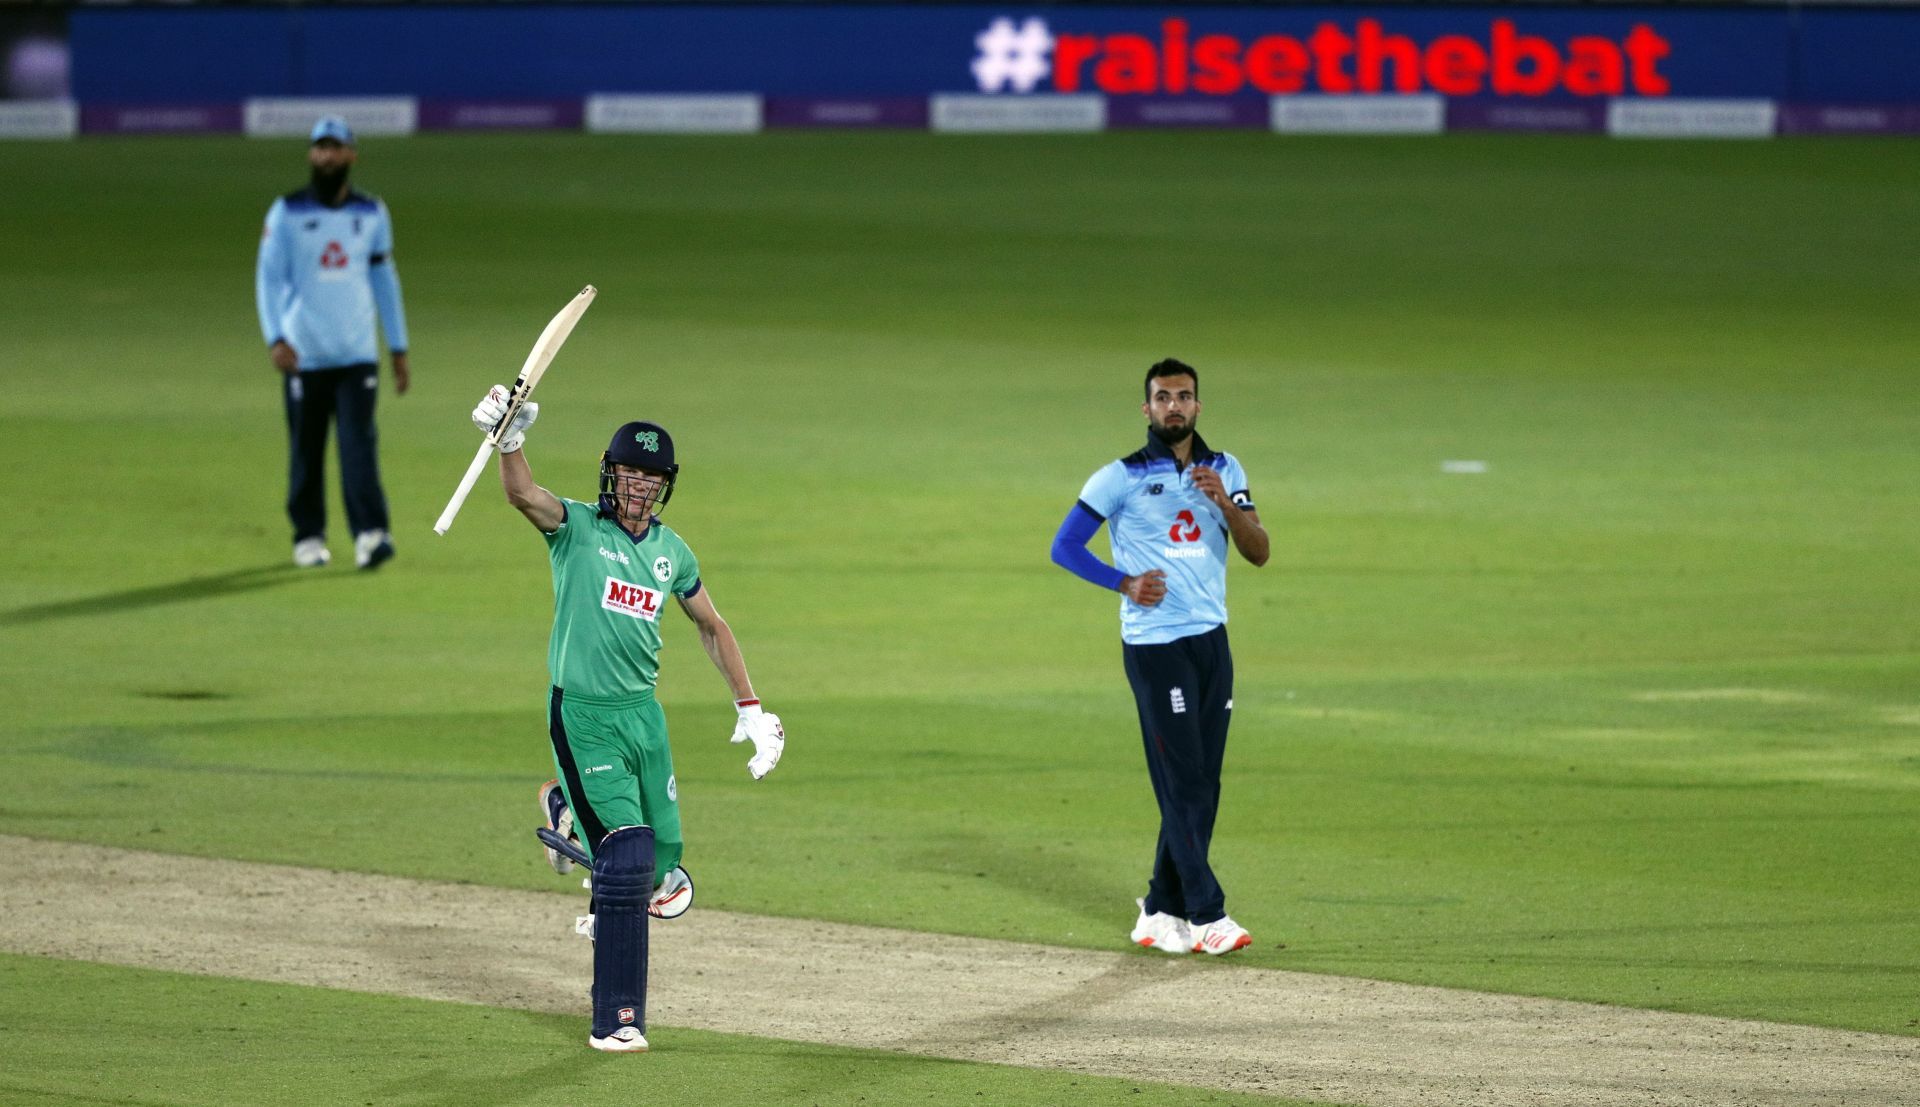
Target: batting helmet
638,445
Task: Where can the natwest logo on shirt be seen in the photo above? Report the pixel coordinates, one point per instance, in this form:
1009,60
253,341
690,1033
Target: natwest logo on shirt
631,599
1361,57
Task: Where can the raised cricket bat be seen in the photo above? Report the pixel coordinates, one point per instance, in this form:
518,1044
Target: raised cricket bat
550,342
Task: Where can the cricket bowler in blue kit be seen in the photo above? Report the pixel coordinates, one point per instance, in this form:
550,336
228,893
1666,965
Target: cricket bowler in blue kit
1170,509
325,267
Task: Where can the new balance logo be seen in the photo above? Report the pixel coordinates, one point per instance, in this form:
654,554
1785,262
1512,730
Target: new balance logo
1179,702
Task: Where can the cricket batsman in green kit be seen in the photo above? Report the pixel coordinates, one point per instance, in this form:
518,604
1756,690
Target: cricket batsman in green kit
614,565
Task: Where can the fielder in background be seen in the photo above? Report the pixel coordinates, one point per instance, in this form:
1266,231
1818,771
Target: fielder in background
325,267
1170,508
614,565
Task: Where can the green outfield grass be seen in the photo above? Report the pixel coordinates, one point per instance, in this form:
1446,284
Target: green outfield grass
1633,716
198,1041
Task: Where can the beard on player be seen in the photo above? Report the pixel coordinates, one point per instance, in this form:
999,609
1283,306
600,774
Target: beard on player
1176,429
329,183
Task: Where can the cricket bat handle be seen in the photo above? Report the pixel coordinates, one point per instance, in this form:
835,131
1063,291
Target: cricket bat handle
466,486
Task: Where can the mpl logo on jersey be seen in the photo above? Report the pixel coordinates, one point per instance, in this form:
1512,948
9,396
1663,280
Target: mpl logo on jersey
631,599
1183,57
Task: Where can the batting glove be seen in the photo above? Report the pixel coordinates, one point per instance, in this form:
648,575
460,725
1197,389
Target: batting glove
763,729
493,406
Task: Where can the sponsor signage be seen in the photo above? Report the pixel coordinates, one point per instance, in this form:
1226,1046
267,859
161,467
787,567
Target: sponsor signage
853,52
1243,112
846,111
1360,115
499,115
1691,118
650,114
1633,71
1337,56
1507,115
293,116
962,112
39,119
1849,119
627,598
159,118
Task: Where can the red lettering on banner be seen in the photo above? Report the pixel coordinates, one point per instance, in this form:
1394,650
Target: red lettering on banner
1645,49
1594,67
1217,57
1372,50
1506,63
1456,65
1277,64
1174,34
1510,50
1130,65
1329,44
1070,52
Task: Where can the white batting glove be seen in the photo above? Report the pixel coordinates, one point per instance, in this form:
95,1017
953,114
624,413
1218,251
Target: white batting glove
493,406
763,729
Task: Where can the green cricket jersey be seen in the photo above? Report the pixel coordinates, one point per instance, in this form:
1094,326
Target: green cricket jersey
609,595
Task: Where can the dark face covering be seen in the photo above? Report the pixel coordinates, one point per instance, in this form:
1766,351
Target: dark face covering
328,182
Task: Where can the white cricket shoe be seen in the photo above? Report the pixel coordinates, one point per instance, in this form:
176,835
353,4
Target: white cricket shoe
1161,931
311,553
624,1040
1222,935
554,809
371,548
674,895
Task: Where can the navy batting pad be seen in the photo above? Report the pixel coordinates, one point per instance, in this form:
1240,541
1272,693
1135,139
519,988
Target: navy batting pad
622,883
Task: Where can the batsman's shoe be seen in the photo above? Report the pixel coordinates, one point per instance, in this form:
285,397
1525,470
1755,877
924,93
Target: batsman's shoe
674,895
372,548
311,553
1222,935
554,809
624,1040
1161,931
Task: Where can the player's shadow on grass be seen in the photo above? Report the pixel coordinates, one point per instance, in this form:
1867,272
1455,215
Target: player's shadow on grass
191,590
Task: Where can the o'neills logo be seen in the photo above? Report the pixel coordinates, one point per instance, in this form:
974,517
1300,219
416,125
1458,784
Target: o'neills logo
1333,59
631,599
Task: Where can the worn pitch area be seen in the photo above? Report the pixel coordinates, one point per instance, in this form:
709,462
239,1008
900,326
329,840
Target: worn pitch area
1193,1021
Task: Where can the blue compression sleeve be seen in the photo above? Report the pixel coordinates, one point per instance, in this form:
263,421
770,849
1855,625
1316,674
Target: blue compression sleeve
1070,549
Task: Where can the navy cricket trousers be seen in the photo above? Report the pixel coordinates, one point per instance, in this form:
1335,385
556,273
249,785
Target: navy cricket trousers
314,399
1184,690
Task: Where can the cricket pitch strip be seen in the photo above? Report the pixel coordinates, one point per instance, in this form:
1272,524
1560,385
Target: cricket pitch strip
1212,1024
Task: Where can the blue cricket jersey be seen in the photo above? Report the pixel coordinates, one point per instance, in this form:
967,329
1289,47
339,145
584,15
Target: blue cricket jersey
322,274
1157,519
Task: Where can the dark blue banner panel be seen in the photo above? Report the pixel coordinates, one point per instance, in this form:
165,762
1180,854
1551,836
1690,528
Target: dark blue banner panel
161,55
